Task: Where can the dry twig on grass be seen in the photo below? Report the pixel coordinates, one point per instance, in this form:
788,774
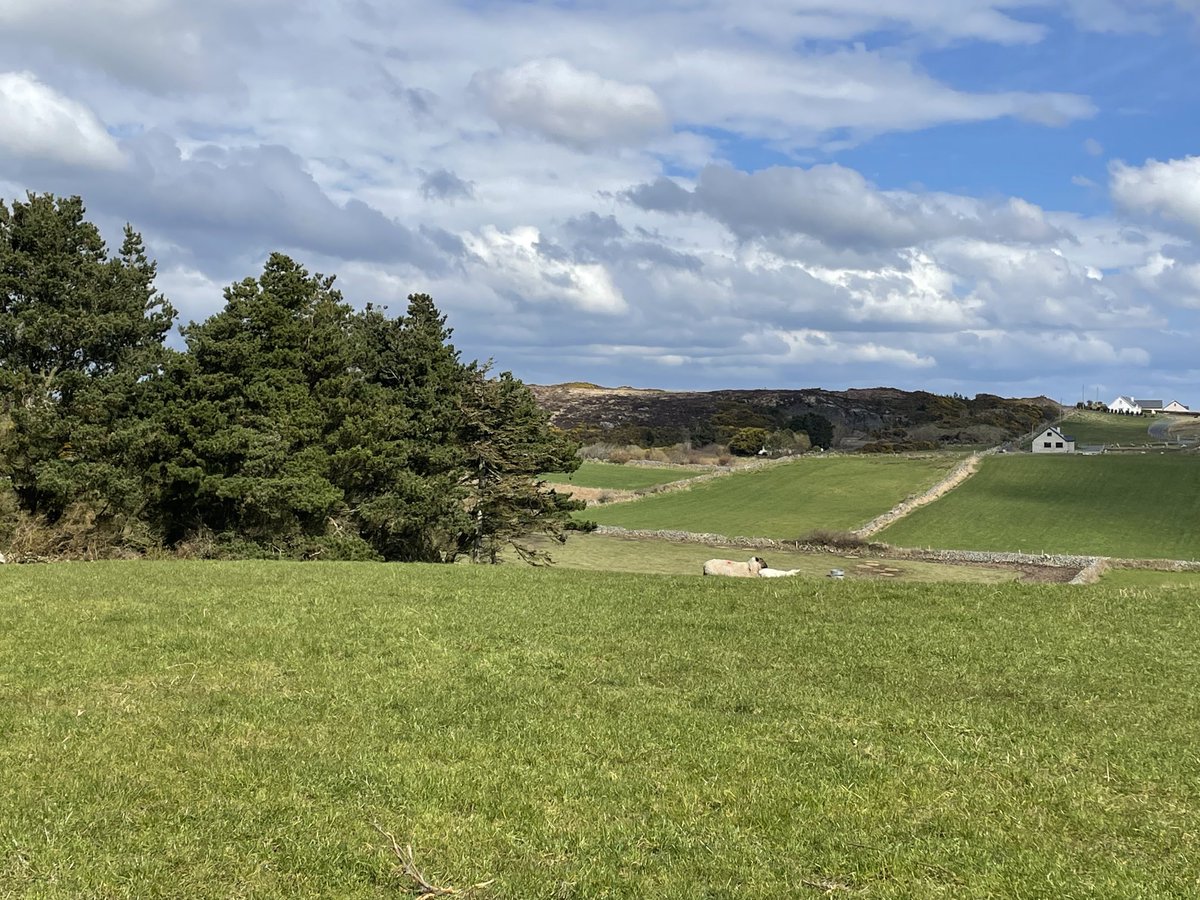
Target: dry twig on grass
421,884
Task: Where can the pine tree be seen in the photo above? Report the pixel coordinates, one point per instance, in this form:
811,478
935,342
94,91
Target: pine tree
80,333
244,447
509,441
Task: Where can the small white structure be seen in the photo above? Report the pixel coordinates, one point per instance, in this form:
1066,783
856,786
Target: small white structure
1175,407
1053,441
1126,405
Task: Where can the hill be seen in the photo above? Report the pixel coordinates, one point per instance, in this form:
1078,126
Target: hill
655,418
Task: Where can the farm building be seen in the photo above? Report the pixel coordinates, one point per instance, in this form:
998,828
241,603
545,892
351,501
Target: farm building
1150,406
1175,407
1053,441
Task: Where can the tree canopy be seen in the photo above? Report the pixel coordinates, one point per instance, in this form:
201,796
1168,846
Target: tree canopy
290,424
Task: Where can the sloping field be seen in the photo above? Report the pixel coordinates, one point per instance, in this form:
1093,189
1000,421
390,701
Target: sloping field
787,501
236,730
622,478
1090,427
1141,506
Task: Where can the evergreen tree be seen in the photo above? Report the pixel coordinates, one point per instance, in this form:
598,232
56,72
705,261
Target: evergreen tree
80,334
253,402
509,441
404,481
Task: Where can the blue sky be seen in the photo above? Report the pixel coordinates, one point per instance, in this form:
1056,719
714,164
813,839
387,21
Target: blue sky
956,195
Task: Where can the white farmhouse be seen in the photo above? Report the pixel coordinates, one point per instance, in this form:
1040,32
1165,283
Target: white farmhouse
1175,407
1126,405
1053,441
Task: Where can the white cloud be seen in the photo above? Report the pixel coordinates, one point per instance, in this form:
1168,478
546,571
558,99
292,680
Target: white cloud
575,107
820,347
1168,190
38,122
514,264
838,207
1177,282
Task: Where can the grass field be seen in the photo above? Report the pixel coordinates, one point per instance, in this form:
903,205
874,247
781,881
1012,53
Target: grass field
1149,578
1088,427
623,478
786,501
235,730
616,553
1143,506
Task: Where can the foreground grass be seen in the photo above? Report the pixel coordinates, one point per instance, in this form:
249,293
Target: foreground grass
1125,506
786,501
622,478
233,730
617,553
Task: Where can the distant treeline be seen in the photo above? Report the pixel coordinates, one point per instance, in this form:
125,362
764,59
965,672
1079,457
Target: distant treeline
292,425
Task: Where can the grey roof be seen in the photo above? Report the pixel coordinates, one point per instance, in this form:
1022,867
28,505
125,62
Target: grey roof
1149,404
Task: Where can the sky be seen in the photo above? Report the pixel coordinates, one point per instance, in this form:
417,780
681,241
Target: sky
960,196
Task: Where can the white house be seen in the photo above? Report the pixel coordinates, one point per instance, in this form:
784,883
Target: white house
1053,441
1175,407
1126,405
1150,406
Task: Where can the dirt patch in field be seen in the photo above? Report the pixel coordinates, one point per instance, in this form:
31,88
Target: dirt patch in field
595,496
876,569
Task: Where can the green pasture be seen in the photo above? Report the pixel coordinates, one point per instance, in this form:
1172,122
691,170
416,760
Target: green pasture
1150,578
622,478
785,501
620,553
1090,427
1135,506
216,730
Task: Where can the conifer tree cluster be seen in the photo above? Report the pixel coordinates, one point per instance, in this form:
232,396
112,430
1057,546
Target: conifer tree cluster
291,425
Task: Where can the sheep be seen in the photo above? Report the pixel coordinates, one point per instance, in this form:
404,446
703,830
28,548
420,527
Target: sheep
777,573
736,569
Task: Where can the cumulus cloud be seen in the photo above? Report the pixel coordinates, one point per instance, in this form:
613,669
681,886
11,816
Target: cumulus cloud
1176,280
569,105
823,348
516,258
37,121
1167,190
838,207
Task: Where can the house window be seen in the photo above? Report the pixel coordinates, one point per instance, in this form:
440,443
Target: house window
1046,444
1058,444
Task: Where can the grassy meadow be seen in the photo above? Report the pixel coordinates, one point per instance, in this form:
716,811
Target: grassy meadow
785,502
621,477
1140,506
1091,427
237,730
619,553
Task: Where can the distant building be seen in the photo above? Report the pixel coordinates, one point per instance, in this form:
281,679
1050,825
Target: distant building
1126,405
1150,406
1053,441
1175,407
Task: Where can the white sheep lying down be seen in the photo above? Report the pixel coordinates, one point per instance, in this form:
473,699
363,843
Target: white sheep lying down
736,569
777,573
